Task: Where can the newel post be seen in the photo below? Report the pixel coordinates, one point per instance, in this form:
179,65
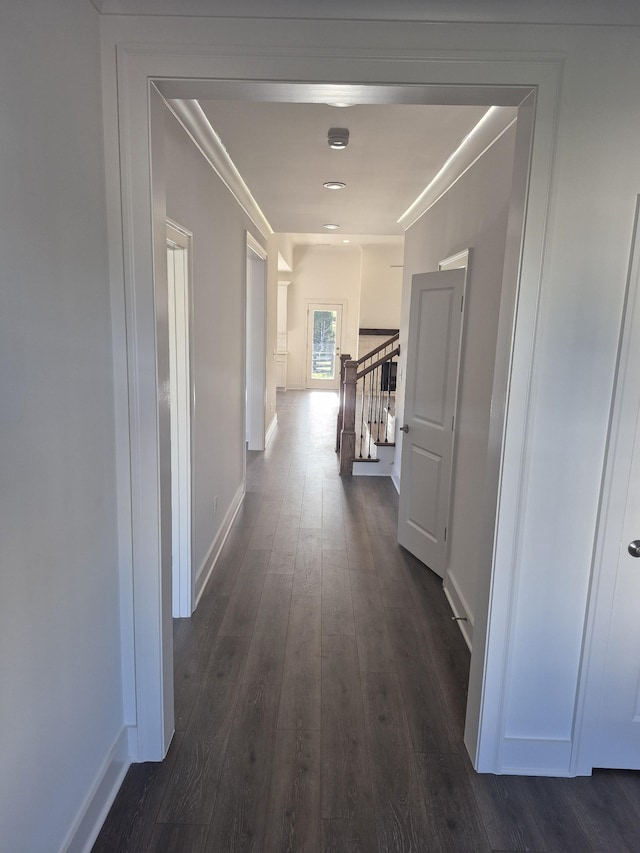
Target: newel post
343,359
348,435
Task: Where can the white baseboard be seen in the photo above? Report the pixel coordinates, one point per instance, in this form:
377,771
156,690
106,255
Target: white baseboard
88,823
204,572
395,477
270,430
459,607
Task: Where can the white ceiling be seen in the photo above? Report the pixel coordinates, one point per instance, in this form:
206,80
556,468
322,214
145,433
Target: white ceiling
282,153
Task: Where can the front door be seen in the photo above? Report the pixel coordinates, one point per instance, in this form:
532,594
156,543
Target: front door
431,389
324,335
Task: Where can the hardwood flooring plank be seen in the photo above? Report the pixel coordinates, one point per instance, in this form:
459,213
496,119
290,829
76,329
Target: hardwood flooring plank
556,817
333,537
239,817
266,525
131,820
360,559
425,706
286,535
300,706
266,653
307,574
191,790
282,562
452,810
601,813
345,836
293,819
509,811
346,778
245,598
311,515
337,609
401,819
192,655
177,838
375,653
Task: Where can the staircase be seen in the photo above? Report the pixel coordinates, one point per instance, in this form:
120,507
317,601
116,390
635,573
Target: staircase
365,433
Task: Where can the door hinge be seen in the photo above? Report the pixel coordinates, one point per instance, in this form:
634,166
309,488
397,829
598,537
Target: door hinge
445,534
453,420
462,302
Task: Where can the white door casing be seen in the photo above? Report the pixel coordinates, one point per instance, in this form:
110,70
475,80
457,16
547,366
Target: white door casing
322,368
255,345
131,102
178,279
610,726
433,355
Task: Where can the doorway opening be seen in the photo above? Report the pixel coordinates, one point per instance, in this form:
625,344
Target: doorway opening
324,345
501,86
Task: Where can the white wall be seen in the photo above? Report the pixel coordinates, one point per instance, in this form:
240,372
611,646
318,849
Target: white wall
197,200
381,290
61,683
472,214
321,273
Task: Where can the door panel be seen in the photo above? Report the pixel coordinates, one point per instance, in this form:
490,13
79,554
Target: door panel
324,338
433,354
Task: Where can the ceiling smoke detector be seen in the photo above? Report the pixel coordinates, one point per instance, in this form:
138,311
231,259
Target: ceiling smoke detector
338,138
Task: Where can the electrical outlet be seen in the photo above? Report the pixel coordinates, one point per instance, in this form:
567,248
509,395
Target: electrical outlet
215,506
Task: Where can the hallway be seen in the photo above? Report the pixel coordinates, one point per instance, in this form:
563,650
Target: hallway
320,692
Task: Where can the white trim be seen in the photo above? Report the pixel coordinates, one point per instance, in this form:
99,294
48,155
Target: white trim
498,76
270,430
493,124
256,247
180,320
203,574
193,119
395,475
95,808
459,607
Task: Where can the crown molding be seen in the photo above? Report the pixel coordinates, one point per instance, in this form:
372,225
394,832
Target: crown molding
493,124
193,119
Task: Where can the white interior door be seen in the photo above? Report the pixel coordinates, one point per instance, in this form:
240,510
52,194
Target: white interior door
613,686
431,387
180,396
324,338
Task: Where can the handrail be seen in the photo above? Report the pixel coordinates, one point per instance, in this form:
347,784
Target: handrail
381,346
377,363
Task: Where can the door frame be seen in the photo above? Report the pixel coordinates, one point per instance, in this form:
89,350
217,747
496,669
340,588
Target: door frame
457,261
343,303
182,401
255,356
133,114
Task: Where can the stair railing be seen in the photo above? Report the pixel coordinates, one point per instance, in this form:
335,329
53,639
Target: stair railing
366,386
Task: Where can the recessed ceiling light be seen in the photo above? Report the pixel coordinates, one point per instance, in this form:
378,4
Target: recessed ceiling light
346,241
338,138
334,185
338,104
330,226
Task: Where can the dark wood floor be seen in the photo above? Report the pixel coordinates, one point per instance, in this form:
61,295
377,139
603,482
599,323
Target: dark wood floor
320,691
